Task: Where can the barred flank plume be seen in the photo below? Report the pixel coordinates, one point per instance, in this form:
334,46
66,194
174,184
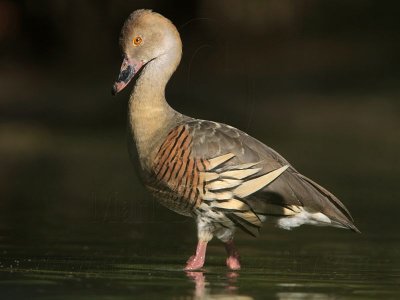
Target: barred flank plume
186,182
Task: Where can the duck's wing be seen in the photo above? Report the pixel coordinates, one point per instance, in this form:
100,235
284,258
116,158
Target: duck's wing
288,195
207,163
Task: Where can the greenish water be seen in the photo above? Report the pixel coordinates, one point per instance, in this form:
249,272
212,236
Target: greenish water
305,264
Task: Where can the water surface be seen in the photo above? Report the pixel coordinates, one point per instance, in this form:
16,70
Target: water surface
307,264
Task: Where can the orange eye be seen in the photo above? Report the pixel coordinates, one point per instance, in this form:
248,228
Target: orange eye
137,41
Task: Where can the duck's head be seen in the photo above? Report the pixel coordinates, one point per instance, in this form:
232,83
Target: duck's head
145,36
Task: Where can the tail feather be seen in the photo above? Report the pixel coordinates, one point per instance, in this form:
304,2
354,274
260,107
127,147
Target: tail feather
295,199
343,218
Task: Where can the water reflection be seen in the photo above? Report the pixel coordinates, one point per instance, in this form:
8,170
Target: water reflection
304,296
227,288
204,290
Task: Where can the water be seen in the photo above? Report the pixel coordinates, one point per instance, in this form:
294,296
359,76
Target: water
308,263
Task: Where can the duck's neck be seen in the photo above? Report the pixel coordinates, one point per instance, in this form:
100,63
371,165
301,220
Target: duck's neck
150,117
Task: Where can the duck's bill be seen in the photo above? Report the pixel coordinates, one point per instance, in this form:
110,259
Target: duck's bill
128,70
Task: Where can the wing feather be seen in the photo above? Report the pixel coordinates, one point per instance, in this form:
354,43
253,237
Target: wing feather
231,172
284,195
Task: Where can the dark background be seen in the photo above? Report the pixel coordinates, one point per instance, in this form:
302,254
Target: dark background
316,80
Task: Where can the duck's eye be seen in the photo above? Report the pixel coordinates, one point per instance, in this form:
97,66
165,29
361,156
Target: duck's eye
137,41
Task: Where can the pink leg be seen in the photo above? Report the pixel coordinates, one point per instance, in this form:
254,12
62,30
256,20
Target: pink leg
197,261
232,261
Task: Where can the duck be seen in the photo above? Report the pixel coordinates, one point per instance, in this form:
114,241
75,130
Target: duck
219,175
